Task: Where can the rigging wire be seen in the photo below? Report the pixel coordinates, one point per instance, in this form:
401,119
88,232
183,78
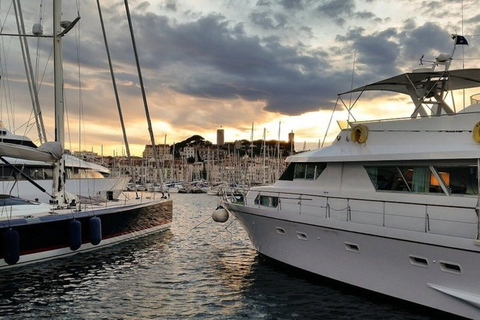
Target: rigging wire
39,43
81,117
80,92
5,84
117,99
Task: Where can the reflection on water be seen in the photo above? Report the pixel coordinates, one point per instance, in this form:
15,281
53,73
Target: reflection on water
198,269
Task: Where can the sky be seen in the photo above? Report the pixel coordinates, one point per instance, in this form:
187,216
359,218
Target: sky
210,64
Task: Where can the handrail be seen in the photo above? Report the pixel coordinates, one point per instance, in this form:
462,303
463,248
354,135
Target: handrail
307,200
348,208
282,195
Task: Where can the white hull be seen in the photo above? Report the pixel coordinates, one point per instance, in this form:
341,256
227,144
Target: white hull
87,187
383,262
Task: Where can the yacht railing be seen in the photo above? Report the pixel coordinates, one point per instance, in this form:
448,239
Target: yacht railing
457,221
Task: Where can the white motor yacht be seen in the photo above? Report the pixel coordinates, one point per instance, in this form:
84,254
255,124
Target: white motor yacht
391,206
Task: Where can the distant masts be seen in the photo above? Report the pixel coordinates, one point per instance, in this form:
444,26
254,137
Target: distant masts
117,99
142,87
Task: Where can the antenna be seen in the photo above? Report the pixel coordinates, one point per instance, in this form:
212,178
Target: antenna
351,84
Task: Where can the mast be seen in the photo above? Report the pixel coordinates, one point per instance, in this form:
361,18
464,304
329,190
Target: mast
27,63
278,153
59,196
142,87
59,165
117,99
58,73
163,156
172,164
264,153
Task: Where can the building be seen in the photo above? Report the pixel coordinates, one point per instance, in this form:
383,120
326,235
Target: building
220,137
291,141
88,156
189,152
162,150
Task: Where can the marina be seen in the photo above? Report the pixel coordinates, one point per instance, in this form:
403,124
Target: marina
196,270
380,219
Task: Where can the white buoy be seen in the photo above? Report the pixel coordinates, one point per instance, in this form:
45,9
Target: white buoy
220,214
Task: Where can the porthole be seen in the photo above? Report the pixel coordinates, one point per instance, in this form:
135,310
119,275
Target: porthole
450,267
351,247
419,261
302,236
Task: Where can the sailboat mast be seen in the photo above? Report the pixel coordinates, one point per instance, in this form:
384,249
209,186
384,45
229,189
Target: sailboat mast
58,73
27,62
142,87
264,153
59,165
117,99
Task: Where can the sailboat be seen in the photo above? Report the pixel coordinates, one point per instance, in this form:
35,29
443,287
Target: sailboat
30,179
32,231
85,179
392,206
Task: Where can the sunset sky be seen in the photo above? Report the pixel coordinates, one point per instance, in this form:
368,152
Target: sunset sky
211,63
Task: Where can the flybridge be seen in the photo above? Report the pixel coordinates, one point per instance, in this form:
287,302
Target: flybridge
427,88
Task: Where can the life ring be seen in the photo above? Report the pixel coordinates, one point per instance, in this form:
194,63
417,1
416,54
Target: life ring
476,132
360,133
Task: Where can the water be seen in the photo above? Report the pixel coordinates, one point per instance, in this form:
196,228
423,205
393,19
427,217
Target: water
198,270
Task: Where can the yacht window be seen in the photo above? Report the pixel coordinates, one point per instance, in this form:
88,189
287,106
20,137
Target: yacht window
310,171
319,169
266,201
457,179
289,172
300,169
388,178
305,170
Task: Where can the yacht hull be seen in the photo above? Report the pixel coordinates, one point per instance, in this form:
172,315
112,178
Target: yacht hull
419,272
46,237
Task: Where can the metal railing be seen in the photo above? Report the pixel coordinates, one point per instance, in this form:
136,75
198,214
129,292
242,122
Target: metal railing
421,217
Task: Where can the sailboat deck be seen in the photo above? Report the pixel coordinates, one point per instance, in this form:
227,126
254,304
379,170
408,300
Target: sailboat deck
34,212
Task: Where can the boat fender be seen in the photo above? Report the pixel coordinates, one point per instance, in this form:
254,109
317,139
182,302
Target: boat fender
75,234
359,133
220,214
476,132
11,242
95,227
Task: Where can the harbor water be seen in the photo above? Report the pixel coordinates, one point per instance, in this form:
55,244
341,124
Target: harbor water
198,269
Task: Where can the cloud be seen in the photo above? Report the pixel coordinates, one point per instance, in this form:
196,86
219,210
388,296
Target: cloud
214,58
263,19
428,39
230,62
292,4
337,8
